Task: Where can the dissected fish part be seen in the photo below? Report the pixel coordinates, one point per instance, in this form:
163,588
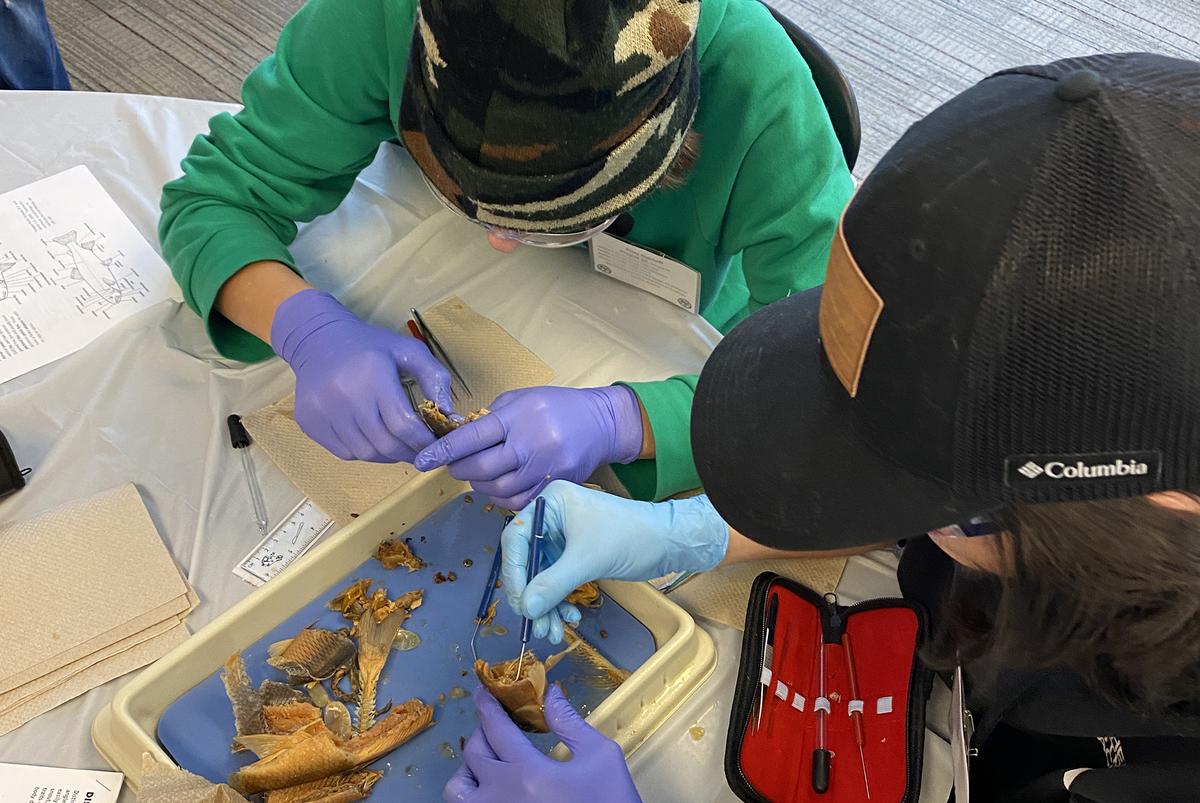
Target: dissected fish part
440,423
345,788
266,744
317,694
314,654
491,613
406,640
586,596
352,599
275,693
394,553
335,683
376,632
290,717
379,607
408,601
522,696
165,783
313,754
605,673
337,719
247,703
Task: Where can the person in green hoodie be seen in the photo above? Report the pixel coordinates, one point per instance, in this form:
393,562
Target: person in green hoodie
697,125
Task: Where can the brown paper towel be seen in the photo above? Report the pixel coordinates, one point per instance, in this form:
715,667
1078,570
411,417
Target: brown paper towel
100,559
723,594
64,674
91,593
145,653
166,783
176,609
488,357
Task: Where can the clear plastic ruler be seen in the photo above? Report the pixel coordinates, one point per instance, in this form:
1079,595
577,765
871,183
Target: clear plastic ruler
299,530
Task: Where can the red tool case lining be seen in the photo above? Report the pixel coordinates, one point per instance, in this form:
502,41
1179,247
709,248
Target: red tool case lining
774,763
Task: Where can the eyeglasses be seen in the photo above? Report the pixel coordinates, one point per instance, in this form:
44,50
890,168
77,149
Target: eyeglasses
533,238
973,527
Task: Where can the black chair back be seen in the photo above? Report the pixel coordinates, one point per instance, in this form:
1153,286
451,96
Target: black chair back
833,85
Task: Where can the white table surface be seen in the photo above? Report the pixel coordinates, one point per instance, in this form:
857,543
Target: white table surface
147,402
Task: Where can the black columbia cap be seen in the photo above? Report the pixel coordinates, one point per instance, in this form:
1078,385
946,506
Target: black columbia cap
1011,313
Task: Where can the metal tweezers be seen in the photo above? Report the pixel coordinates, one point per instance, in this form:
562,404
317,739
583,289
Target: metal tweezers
439,352
410,388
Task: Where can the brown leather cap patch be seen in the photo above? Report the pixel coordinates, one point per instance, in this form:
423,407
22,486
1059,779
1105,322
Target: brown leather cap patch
850,308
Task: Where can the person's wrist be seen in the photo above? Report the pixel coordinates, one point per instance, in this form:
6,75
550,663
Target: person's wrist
299,316
624,415
700,536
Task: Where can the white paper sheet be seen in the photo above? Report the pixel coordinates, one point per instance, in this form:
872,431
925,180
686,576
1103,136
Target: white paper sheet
72,266
26,783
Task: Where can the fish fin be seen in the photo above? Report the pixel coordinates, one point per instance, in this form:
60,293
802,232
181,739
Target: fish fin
262,744
276,649
600,672
265,745
374,643
553,660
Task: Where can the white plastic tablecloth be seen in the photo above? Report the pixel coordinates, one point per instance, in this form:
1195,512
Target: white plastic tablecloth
147,402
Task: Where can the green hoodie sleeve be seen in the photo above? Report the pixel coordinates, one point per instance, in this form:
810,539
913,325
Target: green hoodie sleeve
787,199
668,406
787,193
314,115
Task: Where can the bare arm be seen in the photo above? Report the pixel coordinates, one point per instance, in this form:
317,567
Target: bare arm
742,549
647,452
251,296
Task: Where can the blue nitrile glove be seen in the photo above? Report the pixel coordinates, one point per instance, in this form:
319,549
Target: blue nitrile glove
501,765
535,435
349,397
592,535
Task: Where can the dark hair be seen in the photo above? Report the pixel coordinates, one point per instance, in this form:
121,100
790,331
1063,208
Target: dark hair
677,174
1107,589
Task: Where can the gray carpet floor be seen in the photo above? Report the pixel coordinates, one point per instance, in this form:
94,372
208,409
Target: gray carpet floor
904,57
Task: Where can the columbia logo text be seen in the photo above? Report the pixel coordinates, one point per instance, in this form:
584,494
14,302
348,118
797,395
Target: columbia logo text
1058,470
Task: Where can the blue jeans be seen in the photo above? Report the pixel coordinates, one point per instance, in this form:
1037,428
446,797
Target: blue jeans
29,57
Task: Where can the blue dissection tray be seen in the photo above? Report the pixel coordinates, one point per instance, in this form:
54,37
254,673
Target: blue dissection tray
197,729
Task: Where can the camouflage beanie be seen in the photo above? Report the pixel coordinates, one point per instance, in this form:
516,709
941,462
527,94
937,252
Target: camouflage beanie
549,115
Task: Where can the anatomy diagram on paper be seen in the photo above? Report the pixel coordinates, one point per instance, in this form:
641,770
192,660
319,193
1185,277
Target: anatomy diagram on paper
19,278
72,267
98,279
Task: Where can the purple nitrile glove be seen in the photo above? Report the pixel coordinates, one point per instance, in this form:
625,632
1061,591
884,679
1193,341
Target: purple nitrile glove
535,435
349,396
501,765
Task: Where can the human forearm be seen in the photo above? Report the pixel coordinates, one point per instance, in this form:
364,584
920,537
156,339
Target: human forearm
666,467
647,452
311,119
742,549
252,295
